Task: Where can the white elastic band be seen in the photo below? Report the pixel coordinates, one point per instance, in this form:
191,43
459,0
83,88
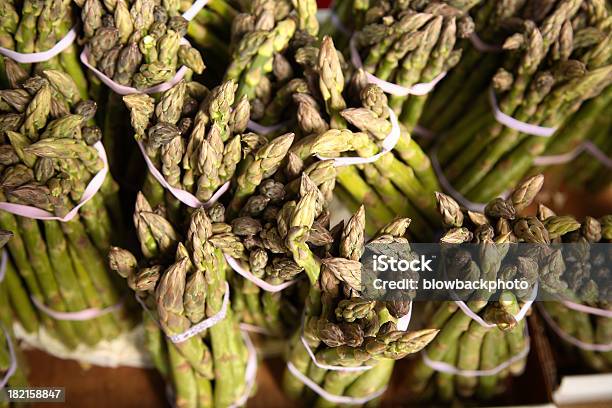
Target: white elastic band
482,46
204,324
82,315
338,399
194,9
268,287
3,263
520,316
390,88
128,90
423,132
515,124
581,308
91,190
387,145
266,130
586,146
448,187
30,58
182,195
571,339
443,367
251,328
13,365
250,373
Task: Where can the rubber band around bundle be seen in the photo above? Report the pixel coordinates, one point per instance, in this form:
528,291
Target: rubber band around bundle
424,133
387,145
251,328
586,309
128,90
443,367
3,265
338,399
448,187
268,287
587,146
266,130
419,89
33,57
82,315
91,190
250,373
482,46
519,316
516,124
569,338
194,9
13,357
182,195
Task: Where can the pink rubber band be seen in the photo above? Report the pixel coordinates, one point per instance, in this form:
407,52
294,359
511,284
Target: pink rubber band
387,145
245,273
515,124
30,58
337,399
13,365
586,146
391,88
251,328
194,9
423,132
266,130
584,309
569,338
3,263
91,190
128,90
443,367
482,46
520,316
182,195
82,315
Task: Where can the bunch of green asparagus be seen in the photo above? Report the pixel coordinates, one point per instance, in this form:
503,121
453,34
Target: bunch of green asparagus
587,278
47,162
11,362
466,344
341,328
181,281
137,44
32,26
407,47
550,68
193,136
590,124
354,118
264,46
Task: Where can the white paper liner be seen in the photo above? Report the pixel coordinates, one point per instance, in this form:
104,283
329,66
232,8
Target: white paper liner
91,190
30,58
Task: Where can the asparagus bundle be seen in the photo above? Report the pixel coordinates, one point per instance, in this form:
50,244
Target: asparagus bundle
32,26
407,47
589,126
193,136
586,276
264,42
47,163
498,348
551,69
355,118
182,282
339,327
493,23
12,369
137,44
